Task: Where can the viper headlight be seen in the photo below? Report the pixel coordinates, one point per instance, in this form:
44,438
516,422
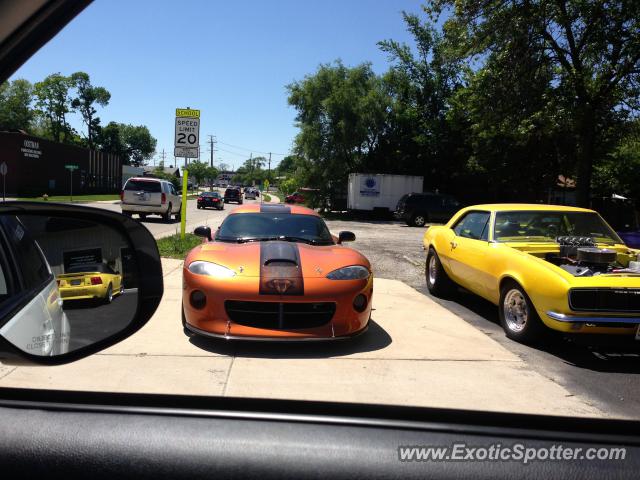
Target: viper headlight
354,272
210,269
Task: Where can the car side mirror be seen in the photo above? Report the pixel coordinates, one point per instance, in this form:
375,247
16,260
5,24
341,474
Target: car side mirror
345,236
203,232
60,299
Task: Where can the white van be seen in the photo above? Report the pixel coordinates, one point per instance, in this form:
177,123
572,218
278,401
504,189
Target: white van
150,196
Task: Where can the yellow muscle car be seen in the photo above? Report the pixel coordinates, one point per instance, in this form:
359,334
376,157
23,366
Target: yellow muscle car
543,266
93,281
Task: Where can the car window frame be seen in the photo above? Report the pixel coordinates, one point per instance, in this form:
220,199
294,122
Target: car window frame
487,227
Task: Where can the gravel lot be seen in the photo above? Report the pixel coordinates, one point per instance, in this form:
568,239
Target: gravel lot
393,248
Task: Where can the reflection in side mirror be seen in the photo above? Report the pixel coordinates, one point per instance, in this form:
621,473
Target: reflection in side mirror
203,232
65,283
345,236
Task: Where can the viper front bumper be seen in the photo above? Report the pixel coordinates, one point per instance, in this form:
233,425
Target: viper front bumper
212,318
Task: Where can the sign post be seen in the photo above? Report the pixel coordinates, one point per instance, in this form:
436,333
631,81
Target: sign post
3,172
187,143
71,168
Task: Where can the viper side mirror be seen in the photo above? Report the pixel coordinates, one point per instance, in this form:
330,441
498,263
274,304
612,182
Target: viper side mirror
346,236
203,232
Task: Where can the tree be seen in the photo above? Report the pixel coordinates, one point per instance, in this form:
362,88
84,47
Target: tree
134,144
53,103
88,96
15,105
201,171
418,136
340,112
592,49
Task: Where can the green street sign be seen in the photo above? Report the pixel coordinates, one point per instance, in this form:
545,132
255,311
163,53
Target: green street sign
71,167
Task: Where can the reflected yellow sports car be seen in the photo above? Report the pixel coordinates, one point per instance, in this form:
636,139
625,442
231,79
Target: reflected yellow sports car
543,266
92,281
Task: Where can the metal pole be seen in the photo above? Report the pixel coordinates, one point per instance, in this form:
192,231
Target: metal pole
71,183
4,186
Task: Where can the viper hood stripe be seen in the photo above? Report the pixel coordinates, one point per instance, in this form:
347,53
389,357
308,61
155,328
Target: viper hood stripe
280,269
274,208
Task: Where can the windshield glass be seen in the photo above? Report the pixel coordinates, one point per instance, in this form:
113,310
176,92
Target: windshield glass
266,226
547,226
349,133
143,186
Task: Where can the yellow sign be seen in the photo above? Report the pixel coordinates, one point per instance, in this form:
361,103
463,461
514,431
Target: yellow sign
187,112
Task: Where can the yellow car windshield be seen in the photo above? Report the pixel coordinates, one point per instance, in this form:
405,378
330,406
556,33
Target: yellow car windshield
546,226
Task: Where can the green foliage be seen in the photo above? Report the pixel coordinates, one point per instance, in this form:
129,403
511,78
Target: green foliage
288,186
564,72
201,171
87,96
160,173
53,103
175,247
134,144
15,105
341,114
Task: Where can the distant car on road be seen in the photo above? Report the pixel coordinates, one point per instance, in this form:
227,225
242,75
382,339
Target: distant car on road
295,197
250,193
150,196
233,194
210,199
96,281
417,209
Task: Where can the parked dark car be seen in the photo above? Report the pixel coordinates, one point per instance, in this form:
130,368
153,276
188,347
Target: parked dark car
233,194
295,197
417,209
210,199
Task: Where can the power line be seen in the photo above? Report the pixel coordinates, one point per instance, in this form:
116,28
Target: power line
244,155
252,149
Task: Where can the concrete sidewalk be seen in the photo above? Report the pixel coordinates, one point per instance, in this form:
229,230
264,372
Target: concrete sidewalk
415,353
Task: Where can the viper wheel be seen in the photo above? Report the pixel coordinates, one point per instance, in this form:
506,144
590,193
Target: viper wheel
518,316
438,282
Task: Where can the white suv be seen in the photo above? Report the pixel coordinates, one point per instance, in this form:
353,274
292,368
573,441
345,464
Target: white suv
148,196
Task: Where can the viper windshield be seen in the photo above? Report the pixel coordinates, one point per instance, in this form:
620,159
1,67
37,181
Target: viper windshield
548,225
245,227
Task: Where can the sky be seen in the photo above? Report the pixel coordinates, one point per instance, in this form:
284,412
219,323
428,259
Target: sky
230,59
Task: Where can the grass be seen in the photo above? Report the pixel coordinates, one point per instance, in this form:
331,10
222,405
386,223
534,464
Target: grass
175,247
76,198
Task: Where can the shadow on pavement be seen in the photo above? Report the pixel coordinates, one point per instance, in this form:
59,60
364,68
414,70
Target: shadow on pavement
376,338
601,353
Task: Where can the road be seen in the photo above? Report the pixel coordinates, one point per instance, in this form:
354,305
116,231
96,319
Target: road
604,379
91,321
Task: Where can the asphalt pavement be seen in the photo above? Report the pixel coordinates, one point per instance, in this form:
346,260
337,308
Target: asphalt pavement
91,321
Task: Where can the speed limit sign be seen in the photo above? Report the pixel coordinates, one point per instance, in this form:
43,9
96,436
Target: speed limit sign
187,137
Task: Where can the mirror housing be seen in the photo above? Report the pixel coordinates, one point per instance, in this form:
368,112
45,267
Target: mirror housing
35,224
346,236
203,232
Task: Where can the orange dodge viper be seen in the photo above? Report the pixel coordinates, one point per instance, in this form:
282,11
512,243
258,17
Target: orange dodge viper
274,272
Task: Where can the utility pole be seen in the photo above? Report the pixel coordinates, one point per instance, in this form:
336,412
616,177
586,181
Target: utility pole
212,142
269,163
163,155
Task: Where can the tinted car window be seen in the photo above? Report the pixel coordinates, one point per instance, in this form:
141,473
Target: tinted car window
27,252
473,225
143,185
